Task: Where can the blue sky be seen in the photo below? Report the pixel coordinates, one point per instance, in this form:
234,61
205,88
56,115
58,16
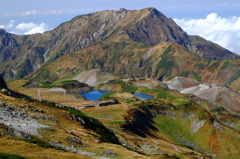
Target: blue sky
215,20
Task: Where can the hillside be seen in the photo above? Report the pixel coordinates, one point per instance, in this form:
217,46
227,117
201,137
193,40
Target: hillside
194,82
170,126
31,51
126,43
209,50
160,62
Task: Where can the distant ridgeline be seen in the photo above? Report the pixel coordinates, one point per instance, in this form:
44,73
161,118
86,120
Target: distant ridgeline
126,43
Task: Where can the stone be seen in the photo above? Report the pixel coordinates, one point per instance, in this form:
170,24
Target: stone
109,153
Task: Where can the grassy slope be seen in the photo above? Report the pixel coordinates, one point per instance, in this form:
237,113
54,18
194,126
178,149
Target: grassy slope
58,133
187,124
173,124
127,58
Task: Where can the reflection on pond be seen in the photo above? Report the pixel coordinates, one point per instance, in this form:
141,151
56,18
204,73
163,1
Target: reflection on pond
93,95
144,96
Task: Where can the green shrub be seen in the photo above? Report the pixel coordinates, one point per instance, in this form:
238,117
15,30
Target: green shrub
233,78
166,62
214,64
184,103
125,86
176,129
69,82
95,125
10,156
106,96
132,101
161,93
199,65
43,144
119,122
187,73
218,109
47,85
225,65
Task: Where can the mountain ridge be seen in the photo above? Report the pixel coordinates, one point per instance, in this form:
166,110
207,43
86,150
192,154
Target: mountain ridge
112,33
125,52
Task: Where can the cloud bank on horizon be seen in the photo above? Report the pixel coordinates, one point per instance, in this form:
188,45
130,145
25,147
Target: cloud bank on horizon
25,28
223,31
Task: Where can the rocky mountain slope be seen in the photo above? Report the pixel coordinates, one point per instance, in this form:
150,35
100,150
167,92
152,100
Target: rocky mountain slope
125,43
218,96
208,50
100,49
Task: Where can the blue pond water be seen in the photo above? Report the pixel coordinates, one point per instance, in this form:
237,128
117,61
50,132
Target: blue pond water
96,94
93,95
144,96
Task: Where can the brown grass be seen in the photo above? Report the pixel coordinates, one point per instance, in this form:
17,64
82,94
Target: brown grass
16,84
33,151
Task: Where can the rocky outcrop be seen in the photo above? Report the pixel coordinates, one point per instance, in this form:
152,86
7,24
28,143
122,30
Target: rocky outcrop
8,45
216,95
94,77
181,83
18,122
208,50
156,28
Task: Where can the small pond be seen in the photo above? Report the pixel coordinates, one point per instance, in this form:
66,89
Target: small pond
144,96
93,95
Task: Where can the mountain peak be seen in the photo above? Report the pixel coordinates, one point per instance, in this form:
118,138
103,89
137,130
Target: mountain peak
122,9
153,11
2,31
122,29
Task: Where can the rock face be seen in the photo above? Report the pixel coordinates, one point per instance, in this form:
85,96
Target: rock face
94,77
217,95
91,41
181,83
209,50
19,123
155,28
8,45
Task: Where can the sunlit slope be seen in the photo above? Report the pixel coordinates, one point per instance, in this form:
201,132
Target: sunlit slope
125,59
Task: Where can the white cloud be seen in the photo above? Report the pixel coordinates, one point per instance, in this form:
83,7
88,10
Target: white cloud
10,24
229,4
37,29
56,12
25,28
31,12
223,31
31,28
2,26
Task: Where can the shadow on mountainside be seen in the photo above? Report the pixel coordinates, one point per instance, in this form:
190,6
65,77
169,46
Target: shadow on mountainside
140,122
5,90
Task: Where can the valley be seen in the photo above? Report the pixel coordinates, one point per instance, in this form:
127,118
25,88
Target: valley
162,93
171,125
